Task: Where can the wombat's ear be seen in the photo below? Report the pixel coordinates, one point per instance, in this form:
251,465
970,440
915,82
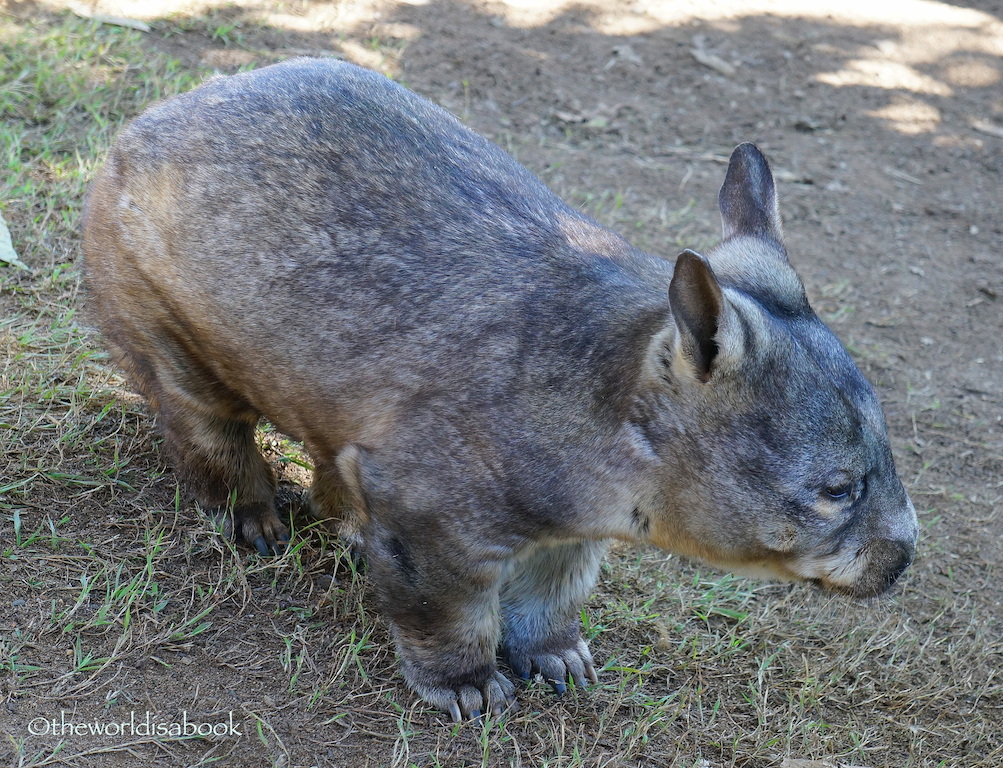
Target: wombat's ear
748,197
697,307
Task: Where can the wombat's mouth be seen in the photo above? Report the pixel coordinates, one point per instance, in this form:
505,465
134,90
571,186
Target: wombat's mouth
860,573
844,590
866,589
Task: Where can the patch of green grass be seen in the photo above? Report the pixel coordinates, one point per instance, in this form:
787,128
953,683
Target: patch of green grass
65,88
220,24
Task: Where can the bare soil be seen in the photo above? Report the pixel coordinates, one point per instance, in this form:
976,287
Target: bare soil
884,125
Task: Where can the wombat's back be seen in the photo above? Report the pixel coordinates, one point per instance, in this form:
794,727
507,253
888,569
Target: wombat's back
323,204
344,153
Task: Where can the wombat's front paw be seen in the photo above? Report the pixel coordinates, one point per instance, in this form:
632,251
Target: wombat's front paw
463,701
556,665
256,524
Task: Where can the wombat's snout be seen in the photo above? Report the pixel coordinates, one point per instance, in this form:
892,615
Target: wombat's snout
885,560
896,557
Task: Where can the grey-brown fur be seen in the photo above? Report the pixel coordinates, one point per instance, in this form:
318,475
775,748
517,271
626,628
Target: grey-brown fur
497,382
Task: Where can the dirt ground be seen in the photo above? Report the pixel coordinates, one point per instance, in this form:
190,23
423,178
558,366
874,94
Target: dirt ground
884,124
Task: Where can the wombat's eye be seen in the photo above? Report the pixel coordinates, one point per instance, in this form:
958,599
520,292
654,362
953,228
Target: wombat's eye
842,487
838,492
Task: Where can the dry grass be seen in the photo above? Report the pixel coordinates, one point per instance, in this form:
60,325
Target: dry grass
119,600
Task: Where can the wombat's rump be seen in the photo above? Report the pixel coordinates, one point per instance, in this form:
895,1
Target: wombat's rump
498,383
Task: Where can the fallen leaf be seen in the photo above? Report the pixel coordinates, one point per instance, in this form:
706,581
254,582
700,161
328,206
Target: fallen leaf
84,12
988,128
713,61
7,253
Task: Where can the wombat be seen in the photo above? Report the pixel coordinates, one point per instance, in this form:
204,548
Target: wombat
497,382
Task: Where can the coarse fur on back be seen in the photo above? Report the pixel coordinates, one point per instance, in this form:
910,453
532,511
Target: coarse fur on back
497,383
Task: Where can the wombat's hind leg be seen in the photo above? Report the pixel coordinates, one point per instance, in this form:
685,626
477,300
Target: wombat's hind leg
215,451
540,606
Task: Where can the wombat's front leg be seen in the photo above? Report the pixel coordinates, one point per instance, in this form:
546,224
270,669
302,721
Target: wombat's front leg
540,605
442,601
437,579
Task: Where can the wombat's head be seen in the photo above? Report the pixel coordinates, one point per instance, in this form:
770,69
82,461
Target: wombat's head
774,445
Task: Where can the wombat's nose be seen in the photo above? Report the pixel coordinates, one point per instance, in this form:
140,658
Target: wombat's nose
889,559
900,558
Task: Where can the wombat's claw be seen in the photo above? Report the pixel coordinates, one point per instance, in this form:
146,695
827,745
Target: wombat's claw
574,664
522,667
468,702
267,548
254,524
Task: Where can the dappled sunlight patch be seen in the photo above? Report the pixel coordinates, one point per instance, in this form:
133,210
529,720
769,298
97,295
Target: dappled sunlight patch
972,74
642,16
372,56
891,75
648,16
910,116
958,141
